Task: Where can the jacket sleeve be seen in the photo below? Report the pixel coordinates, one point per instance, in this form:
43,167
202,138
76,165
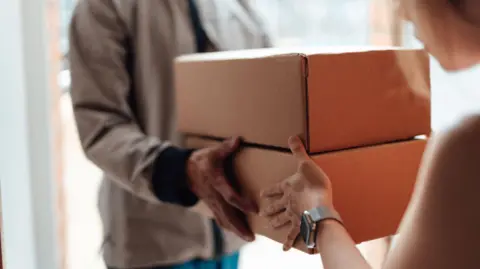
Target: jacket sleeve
109,134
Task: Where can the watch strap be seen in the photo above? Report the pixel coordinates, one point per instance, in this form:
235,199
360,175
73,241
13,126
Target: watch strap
311,219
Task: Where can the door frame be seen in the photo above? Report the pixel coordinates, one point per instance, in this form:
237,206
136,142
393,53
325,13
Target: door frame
28,188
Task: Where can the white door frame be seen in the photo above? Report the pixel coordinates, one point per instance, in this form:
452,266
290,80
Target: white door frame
26,163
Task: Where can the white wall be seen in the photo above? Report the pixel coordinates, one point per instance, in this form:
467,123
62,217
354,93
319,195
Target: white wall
26,170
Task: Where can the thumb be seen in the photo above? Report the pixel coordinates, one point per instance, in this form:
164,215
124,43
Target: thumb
228,147
298,149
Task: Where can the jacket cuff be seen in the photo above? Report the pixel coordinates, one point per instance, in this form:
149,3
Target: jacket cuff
169,177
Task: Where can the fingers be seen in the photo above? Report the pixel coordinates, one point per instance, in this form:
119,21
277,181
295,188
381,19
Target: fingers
222,185
298,149
292,236
231,219
228,147
274,208
272,192
282,219
239,226
232,197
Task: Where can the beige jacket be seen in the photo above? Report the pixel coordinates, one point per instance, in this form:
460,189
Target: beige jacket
121,54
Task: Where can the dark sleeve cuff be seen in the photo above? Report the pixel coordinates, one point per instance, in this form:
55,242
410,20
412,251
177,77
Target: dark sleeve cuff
169,177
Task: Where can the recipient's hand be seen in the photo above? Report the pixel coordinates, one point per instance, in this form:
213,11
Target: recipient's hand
207,180
308,188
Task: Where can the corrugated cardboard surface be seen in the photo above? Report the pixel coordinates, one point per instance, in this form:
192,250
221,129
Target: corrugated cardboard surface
358,99
372,185
337,99
240,97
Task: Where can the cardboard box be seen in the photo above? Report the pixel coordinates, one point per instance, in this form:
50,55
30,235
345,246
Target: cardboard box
334,99
372,185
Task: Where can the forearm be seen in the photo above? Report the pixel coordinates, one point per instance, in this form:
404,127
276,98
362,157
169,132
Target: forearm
337,249
108,130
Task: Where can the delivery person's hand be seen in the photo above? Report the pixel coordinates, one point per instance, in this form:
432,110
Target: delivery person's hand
207,180
308,188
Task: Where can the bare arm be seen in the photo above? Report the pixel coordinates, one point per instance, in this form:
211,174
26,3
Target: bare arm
441,226
307,189
338,250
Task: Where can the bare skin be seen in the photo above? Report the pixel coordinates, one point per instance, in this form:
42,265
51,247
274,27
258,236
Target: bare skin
302,191
308,188
440,229
208,181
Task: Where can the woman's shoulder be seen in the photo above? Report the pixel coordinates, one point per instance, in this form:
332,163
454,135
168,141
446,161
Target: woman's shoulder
459,146
465,131
453,156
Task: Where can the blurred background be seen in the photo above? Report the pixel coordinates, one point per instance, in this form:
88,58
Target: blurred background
291,23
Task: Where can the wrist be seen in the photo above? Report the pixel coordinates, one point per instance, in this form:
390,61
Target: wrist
327,228
313,221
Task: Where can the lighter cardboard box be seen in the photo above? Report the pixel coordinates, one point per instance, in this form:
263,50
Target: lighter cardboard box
334,98
372,185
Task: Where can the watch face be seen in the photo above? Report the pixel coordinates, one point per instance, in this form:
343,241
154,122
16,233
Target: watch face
306,229
310,219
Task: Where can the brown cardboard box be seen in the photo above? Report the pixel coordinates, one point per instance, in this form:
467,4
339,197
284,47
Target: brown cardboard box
372,185
334,99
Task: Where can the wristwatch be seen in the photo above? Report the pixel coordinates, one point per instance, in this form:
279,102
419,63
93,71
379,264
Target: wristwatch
310,221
